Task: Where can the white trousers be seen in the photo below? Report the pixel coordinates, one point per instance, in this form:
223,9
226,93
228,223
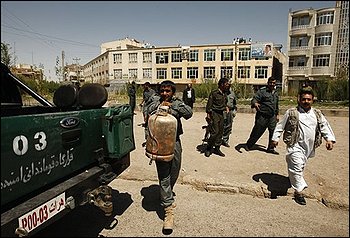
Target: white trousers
296,163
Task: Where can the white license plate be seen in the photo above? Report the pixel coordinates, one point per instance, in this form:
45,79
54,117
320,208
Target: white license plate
43,213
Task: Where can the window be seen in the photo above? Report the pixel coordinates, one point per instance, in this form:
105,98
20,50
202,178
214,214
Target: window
323,39
161,73
321,60
193,56
243,72
261,72
244,54
300,21
226,54
117,58
147,57
297,61
162,58
132,57
209,55
176,56
132,73
118,74
192,72
299,41
176,73
226,72
209,72
325,18
147,73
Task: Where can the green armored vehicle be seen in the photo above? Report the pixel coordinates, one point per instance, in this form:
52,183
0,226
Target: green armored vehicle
57,156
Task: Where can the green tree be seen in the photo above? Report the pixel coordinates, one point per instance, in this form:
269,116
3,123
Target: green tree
58,68
5,54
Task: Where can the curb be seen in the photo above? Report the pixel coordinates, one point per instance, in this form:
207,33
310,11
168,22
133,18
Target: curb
332,112
255,190
261,191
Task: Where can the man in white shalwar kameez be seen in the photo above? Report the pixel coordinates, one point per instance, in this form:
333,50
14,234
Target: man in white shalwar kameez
303,148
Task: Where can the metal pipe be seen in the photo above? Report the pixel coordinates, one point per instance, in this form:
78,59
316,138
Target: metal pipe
28,90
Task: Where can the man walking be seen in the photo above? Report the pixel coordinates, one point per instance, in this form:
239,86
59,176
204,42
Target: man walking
132,96
229,115
168,171
147,95
265,101
188,95
303,128
216,105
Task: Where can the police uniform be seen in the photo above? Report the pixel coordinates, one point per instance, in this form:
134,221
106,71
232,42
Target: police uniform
266,117
216,106
228,116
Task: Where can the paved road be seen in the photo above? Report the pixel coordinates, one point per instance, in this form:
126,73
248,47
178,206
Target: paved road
226,196
201,214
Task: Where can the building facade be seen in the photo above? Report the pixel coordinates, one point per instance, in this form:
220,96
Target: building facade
316,44
342,52
28,71
241,61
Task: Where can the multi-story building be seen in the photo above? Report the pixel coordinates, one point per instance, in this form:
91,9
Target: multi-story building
28,71
73,73
342,53
243,62
314,48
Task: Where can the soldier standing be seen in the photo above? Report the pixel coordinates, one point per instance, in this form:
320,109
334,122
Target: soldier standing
265,101
216,105
229,115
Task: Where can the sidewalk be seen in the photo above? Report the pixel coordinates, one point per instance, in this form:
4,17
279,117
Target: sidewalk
256,172
337,112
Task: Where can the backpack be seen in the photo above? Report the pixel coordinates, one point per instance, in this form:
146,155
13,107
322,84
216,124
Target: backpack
291,129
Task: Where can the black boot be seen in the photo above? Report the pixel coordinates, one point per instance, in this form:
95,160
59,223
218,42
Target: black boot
218,151
208,151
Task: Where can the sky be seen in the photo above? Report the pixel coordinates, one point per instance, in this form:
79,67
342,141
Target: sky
38,31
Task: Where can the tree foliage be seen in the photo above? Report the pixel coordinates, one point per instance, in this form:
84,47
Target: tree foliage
5,54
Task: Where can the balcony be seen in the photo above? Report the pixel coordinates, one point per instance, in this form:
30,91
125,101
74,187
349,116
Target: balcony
326,71
299,50
297,70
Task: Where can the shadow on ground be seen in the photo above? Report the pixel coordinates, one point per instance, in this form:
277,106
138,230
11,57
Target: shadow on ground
88,220
277,184
255,147
151,201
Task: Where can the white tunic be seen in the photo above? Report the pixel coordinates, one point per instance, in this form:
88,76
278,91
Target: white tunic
298,154
307,129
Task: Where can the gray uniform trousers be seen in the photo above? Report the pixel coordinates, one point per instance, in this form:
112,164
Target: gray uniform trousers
261,124
228,121
168,173
216,129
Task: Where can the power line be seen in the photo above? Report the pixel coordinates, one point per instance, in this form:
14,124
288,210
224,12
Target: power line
23,22
53,37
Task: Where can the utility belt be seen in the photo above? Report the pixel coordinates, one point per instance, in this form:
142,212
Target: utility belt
265,115
218,111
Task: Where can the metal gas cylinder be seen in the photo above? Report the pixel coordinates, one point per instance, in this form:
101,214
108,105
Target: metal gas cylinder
160,143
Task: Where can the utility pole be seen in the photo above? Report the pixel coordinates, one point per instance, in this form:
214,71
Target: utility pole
62,65
236,53
14,53
76,68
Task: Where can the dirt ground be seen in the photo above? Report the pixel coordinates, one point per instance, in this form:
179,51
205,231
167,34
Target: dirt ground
225,196
255,172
